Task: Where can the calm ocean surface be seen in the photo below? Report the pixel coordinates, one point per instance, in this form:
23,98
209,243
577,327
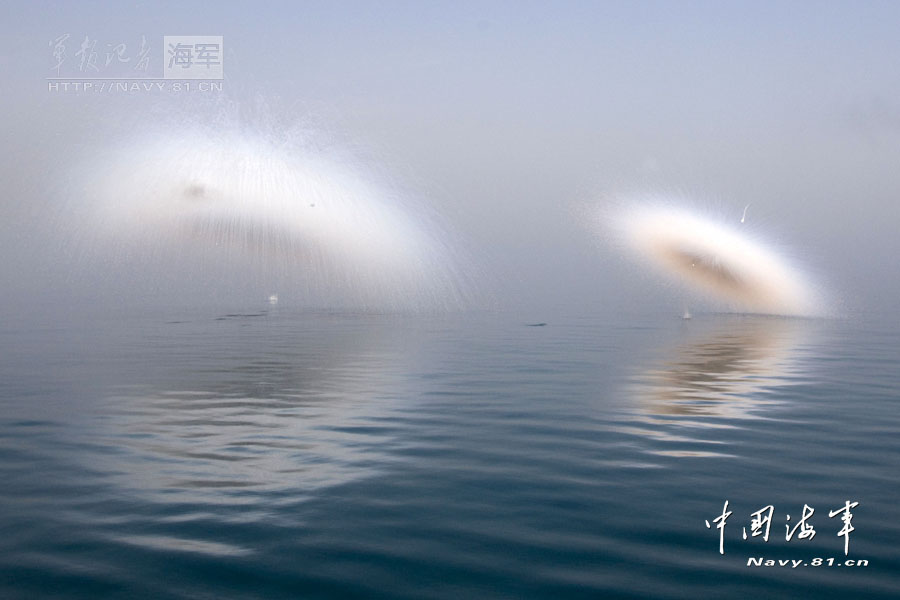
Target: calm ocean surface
285,454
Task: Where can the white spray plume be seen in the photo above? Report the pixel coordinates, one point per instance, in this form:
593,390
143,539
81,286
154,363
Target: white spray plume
716,260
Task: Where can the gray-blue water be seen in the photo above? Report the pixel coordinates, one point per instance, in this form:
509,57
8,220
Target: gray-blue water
287,454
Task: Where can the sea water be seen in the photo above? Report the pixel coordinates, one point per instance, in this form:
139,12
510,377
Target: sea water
272,452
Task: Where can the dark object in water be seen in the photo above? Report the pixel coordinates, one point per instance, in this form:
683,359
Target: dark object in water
241,315
536,325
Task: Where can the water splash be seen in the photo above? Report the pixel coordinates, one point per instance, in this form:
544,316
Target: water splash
232,204
717,261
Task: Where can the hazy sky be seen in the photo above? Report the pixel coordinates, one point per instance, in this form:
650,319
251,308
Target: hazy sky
509,118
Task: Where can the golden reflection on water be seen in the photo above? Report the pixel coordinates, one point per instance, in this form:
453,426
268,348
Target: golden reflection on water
722,369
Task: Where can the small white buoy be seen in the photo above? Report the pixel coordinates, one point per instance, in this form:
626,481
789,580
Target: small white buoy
273,299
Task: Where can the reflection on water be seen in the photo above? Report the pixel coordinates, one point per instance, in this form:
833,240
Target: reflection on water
307,455
170,544
290,413
720,372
